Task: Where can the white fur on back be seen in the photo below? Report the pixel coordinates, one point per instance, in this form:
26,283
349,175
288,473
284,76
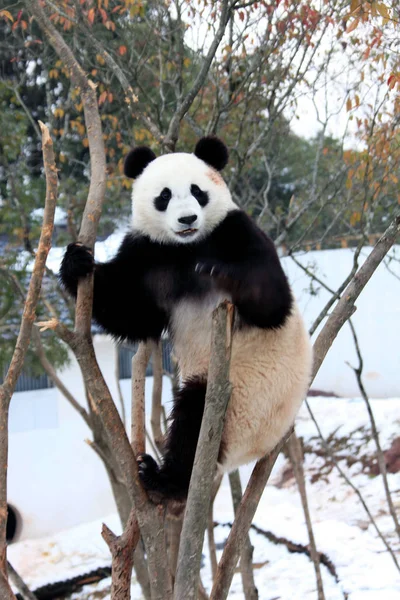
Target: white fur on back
178,172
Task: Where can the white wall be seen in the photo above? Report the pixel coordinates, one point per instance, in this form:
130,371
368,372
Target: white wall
377,322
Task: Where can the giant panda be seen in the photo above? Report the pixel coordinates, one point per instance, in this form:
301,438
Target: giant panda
191,247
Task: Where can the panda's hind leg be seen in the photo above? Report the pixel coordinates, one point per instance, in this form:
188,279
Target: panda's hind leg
171,479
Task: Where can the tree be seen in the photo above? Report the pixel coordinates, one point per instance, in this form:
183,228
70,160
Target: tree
79,66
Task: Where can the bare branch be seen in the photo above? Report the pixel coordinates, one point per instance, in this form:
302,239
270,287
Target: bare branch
21,347
380,456
210,526
217,397
122,552
244,516
246,560
345,307
353,487
173,130
118,384
20,584
156,405
51,372
296,458
138,429
93,206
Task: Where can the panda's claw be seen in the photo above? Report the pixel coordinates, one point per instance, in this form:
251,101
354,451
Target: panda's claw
207,269
148,471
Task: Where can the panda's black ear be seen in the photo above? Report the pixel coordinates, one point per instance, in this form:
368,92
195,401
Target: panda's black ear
213,151
137,160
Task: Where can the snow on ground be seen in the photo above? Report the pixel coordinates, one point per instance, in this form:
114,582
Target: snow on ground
365,571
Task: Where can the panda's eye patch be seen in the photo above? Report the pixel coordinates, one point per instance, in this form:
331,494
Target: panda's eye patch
161,202
201,197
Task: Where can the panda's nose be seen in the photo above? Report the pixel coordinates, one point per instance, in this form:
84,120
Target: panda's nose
188,220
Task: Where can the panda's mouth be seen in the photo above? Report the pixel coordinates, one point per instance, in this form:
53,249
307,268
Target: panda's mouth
186,232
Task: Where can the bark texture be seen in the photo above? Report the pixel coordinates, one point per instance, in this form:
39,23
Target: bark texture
217,397
23,340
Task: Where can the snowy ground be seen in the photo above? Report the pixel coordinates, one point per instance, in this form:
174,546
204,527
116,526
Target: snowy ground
364,569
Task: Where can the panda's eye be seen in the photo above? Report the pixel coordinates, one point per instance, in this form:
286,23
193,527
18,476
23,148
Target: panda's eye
161,202
201,197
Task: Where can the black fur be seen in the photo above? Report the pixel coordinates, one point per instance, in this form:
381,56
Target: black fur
201,197
172,478
213,151
78,262
135,292
162,201
137,160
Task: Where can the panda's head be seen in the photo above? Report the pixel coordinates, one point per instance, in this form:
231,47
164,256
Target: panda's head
179,198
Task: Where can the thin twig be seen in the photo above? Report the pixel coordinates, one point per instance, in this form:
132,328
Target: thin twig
118,384
353,487
20,584
52,373
246,560
296,458
345,307
380,456
173,129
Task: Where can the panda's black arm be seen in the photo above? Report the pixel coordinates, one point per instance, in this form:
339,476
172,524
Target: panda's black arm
245,263
123,305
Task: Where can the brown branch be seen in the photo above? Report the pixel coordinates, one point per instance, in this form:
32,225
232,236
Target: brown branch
122,552
97,187
297,458
244,516
246,560
51,372
173,130
20,584
156,404
210,526
151,517
118,384
217,397
138,429
335,293
345,307
21,347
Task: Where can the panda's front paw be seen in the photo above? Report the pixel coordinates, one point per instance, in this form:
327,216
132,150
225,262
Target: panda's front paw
218,271
78,262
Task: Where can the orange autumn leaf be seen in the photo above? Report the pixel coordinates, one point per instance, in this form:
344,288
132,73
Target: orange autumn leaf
353,25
